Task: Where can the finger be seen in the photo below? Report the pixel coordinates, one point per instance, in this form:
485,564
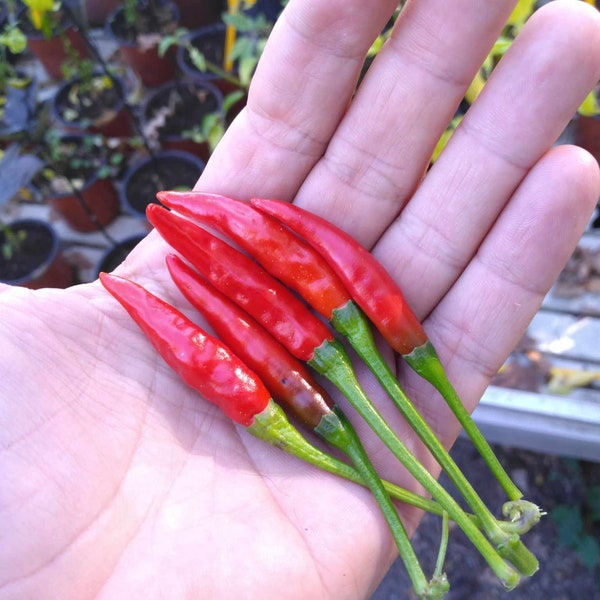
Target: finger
527,103
486,311
301,88
383,145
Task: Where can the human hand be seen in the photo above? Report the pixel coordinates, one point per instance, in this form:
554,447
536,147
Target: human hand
119,482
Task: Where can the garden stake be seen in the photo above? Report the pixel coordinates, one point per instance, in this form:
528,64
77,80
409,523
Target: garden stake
381,299
305,337
209,367
304,270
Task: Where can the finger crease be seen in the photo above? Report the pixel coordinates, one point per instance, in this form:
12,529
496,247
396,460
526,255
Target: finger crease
284,136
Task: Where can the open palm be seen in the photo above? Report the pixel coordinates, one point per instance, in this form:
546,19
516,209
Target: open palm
120,482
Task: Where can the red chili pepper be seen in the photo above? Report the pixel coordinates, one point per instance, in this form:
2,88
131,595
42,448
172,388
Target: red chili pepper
328,357
203,362
282,253
286,378
292,384
245,282
209,367
373,289
369,284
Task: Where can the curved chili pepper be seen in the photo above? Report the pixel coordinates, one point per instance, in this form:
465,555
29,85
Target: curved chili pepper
275,247
257,292
374,290
287,379
242,280
369,284
211,368
203,362
289,259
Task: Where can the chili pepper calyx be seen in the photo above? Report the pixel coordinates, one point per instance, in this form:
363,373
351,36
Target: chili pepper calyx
437,588
523,515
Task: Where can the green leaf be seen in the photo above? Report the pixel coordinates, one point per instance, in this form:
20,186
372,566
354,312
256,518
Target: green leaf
521,12
243,47
589,107
209,121
246,68
197,59
244,23
232,99
238,21
177,38
165,43
215,135
194,134
15,41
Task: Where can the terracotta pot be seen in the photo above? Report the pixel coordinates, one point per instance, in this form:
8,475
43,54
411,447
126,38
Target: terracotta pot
153,70
38,263
51,52
190,102
95,204
98,11
587,134
165,170
113,122
99,197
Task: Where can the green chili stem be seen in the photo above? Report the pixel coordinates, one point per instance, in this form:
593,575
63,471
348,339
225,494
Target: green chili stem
439,581
335,428
352,322
425,361
273,426
331,360
287,438
439,565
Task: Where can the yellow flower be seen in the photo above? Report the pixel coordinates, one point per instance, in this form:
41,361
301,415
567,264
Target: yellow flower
37,10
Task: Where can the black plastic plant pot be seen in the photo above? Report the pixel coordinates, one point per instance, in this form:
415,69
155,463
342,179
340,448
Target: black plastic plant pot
187,103
109,117
167,170
113,257
210,42
36,261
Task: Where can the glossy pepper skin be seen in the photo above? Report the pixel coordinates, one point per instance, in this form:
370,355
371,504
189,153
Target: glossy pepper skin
288,380
369,284
202,361
274,246
240,278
